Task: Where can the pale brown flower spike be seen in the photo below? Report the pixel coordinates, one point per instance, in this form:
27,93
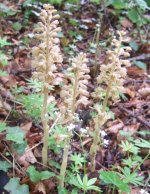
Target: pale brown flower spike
45,56
110,83
115,71
47,53
73,95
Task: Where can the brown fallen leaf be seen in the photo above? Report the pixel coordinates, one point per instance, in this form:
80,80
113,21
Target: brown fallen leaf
40,187
26,127
126,23
144,91
115,128
131,128
136,71
131,93
27,158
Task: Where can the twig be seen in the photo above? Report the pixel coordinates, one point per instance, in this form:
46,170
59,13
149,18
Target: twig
136,81
140,57
144,122
19,171
36,145
48,167
14,158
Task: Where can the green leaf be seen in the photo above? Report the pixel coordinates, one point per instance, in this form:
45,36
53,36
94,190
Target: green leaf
130,178
17,26
142,143
20,148
140,64
111,177
3,59
34,175
46,175
134,45
95,1
4,166
118,4
3,73
133,15
91,181
15,134
2,127
14,187
79,180
142,4
4,42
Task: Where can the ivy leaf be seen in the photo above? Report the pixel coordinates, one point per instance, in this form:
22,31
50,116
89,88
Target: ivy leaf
14,187
110,177
34,174
119,4
20,148
4,166
15,134
46,175
133,15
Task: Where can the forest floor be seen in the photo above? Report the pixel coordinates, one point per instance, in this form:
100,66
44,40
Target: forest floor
132,111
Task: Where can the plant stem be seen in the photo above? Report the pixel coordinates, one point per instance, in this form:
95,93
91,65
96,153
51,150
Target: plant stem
45,105
67,142
96,138
105,102
97,49
65,160
74,94
45,128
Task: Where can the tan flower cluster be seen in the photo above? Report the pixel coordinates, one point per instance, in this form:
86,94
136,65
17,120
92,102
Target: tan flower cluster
76,93
103,116
47,53
112,74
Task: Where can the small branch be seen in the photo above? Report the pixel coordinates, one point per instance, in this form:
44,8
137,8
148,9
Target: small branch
130,113
49,132
136,81
140,57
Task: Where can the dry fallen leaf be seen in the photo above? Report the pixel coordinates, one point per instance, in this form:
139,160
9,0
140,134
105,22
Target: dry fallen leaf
131,128
40,187
129,92
126,23
144,91
26,127
27,158
115,128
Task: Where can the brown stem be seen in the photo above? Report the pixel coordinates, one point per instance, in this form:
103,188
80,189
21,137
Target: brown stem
45,128
97,50
67,142
74,94
45,105
105,102
96,139
65,160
